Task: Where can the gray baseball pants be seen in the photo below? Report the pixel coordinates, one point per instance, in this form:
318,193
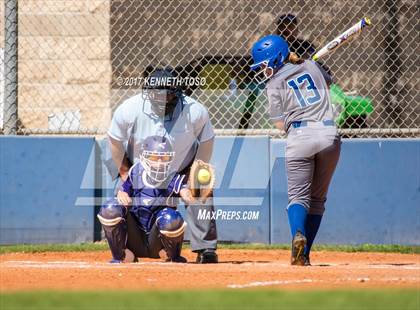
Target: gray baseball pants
312,154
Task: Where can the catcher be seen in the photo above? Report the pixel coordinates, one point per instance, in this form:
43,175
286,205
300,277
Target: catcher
142,220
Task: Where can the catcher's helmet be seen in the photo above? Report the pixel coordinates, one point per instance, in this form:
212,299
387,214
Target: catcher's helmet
268,53
156,156
162,90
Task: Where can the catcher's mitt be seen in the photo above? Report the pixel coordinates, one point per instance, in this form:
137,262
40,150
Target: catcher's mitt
201,180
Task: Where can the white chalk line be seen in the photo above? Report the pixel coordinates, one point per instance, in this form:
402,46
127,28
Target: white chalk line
270,283
79,265
337,280
99,265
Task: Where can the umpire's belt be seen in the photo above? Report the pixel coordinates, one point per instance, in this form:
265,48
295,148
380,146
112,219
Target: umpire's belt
299,124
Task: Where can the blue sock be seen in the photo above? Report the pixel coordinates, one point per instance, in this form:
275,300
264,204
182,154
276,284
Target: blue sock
297,217
313,221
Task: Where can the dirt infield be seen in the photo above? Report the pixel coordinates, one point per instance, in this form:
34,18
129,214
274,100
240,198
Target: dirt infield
238,269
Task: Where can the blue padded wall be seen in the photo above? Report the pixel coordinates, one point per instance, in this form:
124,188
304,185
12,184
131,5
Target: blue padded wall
40,181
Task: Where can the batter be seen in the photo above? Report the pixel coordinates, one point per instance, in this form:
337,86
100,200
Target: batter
299,102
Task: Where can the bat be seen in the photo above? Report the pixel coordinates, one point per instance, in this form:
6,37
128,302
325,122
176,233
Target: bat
345,37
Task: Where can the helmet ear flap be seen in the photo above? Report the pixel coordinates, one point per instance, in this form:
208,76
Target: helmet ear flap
278,61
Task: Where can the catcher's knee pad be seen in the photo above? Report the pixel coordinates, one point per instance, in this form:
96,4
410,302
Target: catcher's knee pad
170,223
171,227
113,219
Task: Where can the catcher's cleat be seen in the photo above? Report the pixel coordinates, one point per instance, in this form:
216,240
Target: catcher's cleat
129,258
298,246
207,256
179,259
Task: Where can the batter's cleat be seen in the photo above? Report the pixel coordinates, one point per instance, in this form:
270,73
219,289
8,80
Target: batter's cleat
298,246
307,261
116,261
179,259
207,256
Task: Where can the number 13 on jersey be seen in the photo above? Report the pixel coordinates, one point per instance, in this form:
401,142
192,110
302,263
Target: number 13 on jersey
312,95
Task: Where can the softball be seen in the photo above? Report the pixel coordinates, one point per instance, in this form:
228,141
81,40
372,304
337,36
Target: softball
203,176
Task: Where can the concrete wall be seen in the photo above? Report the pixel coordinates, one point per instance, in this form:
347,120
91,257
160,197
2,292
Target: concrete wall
49,188
64,64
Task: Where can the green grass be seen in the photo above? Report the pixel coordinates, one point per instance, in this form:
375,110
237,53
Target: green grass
40,248
101,246
207,300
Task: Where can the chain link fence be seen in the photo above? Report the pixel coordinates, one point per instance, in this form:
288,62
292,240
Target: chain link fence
78,60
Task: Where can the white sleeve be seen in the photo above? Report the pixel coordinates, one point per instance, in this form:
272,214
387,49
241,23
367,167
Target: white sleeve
119,125
205,130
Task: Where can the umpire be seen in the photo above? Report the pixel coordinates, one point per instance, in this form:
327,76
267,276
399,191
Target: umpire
287,27
164,110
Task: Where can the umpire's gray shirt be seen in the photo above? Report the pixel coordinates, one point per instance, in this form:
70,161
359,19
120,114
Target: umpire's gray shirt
299,93
134,120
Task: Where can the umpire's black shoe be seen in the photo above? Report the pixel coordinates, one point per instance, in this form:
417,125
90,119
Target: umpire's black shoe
179,259
298,247
207,256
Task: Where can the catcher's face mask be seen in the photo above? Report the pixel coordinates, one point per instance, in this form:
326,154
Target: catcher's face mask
157,164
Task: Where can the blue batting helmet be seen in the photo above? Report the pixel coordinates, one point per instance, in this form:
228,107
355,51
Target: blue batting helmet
269,53
156,156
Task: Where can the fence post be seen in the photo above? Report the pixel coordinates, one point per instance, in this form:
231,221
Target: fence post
10,116
392,52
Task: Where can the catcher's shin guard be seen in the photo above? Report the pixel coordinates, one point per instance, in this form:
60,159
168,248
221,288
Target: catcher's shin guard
171,227
113,219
